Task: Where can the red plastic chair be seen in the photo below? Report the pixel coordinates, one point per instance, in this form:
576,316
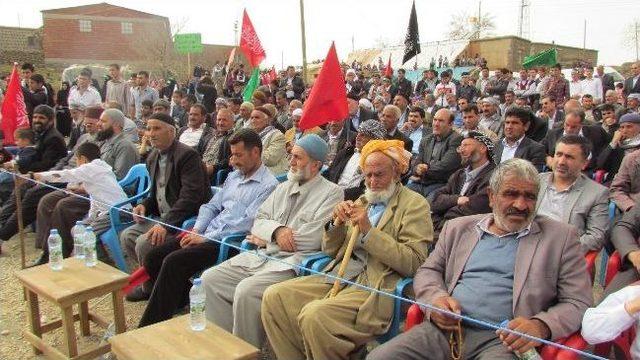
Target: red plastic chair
623,343
613,266
415,316
591,263
599,176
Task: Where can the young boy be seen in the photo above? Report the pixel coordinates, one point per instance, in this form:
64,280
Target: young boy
24,139
99,182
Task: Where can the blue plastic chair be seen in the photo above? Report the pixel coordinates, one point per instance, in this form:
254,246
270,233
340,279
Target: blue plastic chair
139,176
282,177
221,176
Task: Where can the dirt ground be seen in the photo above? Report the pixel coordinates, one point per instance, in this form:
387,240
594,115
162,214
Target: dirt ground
13,310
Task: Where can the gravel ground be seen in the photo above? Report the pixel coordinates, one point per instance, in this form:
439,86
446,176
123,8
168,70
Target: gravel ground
13,311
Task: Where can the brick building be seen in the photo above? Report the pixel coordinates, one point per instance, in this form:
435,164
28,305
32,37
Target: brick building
102,33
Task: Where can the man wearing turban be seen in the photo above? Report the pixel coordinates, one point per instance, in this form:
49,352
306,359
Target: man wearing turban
394,228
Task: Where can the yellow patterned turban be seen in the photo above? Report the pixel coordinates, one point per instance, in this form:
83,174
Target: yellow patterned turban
392,148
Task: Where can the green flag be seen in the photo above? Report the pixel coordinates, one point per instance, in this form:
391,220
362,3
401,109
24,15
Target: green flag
548,57
253,83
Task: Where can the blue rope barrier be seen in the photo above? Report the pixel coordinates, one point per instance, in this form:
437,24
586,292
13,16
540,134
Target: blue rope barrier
342,280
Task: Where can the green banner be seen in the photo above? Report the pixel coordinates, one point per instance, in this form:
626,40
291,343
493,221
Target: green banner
252,85
188,43
546,58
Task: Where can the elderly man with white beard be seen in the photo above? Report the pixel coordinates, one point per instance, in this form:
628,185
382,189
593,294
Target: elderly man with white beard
288,227
301,321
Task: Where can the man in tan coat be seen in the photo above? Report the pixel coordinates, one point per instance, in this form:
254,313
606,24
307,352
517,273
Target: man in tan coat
287,228
299,318
509,265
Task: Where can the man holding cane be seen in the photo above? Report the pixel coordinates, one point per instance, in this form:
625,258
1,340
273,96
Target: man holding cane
393,227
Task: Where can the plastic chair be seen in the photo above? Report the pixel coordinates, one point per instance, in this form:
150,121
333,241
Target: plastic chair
623,343
221,176
415,316
281,177
613,266
139,176
590,257
599,176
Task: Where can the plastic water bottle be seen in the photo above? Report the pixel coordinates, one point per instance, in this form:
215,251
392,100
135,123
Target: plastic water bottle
531,354
196,306
77,232
55,250
90,255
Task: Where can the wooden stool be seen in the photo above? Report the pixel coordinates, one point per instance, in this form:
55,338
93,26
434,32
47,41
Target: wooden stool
174,339
74,284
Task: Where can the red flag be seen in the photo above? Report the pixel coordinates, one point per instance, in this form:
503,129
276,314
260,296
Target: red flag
328,98
14,111
272,74
388,71
250,43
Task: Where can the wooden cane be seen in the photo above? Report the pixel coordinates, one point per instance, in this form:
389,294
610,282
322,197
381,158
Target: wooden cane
17,183
355,233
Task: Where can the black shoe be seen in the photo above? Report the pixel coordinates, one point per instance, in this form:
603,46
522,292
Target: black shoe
137,294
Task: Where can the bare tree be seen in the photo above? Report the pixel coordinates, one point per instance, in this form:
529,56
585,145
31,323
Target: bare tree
465,26
631,36
157,50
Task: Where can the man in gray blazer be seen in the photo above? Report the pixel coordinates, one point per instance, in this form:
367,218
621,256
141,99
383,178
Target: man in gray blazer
508,265
289,227
567,195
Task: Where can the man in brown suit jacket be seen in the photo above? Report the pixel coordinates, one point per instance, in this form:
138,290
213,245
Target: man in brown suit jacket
508,265
179,185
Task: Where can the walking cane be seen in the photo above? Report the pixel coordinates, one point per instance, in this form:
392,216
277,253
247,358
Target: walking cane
345,260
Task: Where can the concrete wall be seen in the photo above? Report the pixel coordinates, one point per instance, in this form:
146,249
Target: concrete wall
509,52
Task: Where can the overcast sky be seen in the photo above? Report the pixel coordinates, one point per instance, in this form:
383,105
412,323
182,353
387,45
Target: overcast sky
364,23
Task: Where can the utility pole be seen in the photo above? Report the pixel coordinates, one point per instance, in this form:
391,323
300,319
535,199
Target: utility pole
584,36
304,42
479,18
235,32
637,25
523,21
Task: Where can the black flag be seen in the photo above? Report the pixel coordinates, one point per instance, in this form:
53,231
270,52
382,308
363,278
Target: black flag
412,41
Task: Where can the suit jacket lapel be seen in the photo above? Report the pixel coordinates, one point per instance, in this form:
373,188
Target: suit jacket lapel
521,148
572,198
524,257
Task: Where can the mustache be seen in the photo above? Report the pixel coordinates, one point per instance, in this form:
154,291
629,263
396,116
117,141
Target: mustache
514,211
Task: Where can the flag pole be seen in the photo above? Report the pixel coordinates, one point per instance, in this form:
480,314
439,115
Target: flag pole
17,184
304,42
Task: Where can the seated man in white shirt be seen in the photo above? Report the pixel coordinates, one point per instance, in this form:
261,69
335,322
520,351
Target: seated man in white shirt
344,169
196,134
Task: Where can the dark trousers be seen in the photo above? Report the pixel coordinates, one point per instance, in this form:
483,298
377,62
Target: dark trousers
58,210
170,268
622,279
31,195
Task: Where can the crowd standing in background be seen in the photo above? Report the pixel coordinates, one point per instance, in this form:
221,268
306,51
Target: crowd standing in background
487,185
